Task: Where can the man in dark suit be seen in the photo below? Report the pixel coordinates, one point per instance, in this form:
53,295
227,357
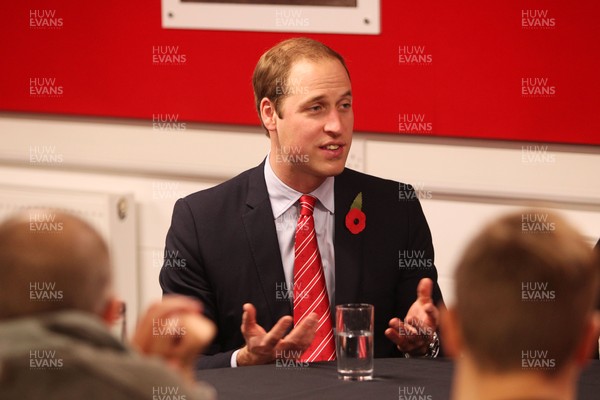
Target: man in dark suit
232,246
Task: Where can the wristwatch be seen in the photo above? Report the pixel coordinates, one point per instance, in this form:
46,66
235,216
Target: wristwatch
433,349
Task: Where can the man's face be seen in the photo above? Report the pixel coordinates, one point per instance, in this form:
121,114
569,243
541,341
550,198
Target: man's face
313,134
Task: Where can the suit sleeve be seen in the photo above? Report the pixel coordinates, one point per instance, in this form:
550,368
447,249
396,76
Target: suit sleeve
420,245
183,272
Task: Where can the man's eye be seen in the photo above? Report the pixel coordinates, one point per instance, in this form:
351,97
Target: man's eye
315,108
347,105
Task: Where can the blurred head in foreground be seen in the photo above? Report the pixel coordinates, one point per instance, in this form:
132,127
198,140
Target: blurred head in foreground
523,322
51,261
56,299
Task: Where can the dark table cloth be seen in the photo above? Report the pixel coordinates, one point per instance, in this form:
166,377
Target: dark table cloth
394,379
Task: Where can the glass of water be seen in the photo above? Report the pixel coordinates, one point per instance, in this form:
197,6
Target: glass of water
354,341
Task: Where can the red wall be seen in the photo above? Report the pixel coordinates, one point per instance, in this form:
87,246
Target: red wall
101,60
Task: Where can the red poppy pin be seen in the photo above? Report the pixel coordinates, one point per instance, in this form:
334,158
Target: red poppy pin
356,220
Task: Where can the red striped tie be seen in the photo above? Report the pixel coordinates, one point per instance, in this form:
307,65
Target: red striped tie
310,292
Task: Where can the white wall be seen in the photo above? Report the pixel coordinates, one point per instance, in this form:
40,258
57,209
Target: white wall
463,182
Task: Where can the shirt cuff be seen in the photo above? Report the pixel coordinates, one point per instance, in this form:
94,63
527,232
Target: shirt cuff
234,358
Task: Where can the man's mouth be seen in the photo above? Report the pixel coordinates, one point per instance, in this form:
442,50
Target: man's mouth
332,147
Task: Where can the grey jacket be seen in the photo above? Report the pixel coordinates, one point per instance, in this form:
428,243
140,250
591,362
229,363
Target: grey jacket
72,355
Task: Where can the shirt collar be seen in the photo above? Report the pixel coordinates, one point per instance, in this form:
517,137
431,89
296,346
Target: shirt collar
283,197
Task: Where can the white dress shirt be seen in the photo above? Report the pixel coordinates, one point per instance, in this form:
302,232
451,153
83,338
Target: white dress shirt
286,207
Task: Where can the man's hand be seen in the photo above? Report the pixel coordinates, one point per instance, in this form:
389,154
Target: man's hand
175,330
264,347
416,332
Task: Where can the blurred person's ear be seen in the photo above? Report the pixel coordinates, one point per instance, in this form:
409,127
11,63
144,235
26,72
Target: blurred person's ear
112,311
589,340
451,335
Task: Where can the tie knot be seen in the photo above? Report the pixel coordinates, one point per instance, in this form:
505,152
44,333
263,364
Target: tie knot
307,204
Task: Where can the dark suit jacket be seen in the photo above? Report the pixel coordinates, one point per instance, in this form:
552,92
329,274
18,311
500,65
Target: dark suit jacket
222,249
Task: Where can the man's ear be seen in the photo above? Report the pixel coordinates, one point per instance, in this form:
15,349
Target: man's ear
112,311
268,114
589,340
450,332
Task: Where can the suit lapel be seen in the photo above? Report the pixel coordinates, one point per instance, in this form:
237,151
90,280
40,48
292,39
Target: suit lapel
348,247
262,238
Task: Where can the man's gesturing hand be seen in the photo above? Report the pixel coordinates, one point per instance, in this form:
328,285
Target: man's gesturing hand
264,347
416,332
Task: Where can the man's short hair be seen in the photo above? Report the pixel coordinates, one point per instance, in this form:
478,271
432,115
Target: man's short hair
272,71
61,263
525,289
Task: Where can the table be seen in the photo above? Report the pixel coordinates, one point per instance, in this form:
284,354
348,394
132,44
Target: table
394,377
